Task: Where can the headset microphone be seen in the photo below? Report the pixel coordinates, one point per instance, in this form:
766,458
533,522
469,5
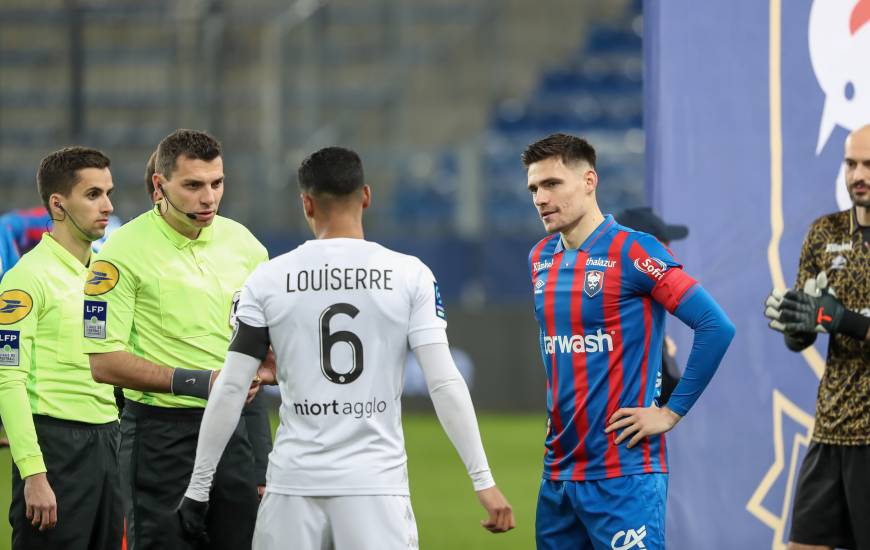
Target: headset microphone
90,236
163,192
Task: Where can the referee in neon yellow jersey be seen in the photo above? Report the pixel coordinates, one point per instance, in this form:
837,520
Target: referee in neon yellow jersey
166,282
65,483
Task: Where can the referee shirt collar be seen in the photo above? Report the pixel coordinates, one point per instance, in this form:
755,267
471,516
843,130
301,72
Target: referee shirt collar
62,254
176,238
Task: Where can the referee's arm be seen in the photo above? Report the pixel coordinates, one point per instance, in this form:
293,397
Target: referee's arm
122,368
16,413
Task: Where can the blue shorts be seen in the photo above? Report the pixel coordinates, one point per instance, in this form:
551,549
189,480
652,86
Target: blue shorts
622,513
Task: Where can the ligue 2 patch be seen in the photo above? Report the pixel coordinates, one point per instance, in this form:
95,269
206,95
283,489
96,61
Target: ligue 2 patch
95,319
9,348
15,305
439,303
593,282
234,309
102,278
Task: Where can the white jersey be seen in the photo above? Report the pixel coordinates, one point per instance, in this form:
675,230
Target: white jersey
342,314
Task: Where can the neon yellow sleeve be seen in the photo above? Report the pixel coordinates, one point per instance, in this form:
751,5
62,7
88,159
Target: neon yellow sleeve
18,421
110,298
20,300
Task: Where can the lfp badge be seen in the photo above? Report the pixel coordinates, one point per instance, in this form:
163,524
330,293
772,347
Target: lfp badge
95,319
9,348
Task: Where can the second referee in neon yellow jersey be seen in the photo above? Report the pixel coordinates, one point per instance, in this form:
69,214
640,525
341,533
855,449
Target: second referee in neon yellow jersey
167,281
65,483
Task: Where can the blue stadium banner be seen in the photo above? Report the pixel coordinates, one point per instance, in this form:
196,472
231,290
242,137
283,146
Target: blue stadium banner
748,103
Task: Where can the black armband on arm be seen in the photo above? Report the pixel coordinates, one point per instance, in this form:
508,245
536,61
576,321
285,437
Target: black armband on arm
799,341
252,341
191,382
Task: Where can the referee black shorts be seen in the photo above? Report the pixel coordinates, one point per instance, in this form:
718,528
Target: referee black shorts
158,450
82,464
832,503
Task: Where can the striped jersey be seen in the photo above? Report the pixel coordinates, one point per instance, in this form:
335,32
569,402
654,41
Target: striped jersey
601,310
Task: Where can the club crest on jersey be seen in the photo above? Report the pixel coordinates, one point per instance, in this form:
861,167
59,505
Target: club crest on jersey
102,278
95,319
593,283
652,267
9,346
15,305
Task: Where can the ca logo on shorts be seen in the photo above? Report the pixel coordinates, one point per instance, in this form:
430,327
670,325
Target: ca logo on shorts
626,540
15,305
102,278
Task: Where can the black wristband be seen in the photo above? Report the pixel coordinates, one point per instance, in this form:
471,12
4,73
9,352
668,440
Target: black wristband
191,382
854,325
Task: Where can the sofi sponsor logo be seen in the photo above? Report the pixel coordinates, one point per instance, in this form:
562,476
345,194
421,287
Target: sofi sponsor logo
652,267
546,264
579,343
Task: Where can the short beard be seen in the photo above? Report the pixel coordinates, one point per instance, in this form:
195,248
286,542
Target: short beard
863,203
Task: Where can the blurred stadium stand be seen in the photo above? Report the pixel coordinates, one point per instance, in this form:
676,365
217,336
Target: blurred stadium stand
439,96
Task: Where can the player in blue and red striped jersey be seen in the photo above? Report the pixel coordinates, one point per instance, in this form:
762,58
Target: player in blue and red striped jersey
601,292
22,229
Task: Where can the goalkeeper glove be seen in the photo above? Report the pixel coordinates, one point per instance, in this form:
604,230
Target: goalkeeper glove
816,309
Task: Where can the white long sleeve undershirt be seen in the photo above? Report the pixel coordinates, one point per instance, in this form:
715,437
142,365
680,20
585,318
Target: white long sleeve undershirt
219,421
447,389
455,410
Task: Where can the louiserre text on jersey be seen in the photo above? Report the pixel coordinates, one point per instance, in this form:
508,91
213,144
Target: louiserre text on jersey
339,278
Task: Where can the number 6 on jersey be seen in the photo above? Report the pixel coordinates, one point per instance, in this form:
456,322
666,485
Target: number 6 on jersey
327,340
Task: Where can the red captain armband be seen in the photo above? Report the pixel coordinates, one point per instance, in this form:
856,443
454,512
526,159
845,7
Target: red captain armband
670,289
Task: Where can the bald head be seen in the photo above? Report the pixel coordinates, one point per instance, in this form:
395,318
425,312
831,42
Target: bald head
861,134
857,161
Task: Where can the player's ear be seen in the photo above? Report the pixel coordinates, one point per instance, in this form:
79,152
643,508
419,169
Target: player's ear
55,206
591,179
157,183
307,205
366,196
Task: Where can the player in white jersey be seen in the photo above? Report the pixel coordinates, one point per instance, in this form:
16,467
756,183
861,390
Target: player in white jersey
340,313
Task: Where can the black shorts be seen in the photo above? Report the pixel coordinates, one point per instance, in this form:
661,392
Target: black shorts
158,448
832,503
82,464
